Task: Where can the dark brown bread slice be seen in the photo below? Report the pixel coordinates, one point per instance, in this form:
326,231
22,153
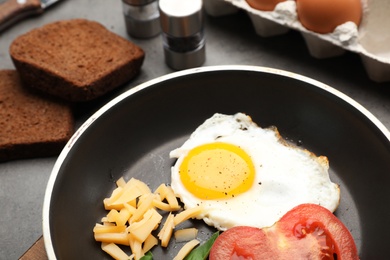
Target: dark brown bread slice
77,60
31,125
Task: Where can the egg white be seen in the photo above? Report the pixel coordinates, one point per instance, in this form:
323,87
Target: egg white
286,176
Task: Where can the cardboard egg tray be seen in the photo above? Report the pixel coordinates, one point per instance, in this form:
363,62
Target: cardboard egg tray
371,40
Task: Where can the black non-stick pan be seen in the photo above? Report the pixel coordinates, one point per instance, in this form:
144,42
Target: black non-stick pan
132,135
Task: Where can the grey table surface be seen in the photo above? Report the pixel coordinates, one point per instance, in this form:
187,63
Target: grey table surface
230,40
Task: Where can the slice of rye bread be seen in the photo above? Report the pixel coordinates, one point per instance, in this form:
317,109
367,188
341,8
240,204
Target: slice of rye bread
77,60
31,125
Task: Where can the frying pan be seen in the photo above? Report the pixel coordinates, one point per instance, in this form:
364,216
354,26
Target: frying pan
132,135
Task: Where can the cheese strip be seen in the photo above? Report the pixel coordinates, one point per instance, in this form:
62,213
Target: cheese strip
117,238
166,193
114,196
115,251
149,243
162,205
136,247
166,232
145,204
141,230
108,229
186,249
187,214
186,234
121,182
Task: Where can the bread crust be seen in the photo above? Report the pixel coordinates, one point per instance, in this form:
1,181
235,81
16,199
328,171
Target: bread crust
77,60
31,125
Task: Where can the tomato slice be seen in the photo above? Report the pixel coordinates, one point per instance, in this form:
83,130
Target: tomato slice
313,221
239,243
308,231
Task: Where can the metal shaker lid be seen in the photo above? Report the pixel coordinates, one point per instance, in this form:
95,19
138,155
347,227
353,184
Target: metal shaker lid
142,20
137,2
181,18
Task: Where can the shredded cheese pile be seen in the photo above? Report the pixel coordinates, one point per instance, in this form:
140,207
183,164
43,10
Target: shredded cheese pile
134,212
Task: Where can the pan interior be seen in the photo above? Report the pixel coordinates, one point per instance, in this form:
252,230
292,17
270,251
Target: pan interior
133,139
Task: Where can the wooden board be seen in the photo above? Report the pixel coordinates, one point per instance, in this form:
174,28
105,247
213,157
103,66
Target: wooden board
36,251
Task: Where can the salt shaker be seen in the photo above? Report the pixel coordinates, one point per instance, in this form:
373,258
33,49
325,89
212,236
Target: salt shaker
142,18
182,32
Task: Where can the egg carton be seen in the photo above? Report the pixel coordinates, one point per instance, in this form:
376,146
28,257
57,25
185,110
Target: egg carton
371,40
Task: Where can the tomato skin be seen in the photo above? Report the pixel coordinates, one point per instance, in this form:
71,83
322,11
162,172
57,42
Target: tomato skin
308,231
264,5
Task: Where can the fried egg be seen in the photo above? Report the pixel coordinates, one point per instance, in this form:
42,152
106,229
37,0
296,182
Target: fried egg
242,174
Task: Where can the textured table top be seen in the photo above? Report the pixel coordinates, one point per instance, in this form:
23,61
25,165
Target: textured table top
230,40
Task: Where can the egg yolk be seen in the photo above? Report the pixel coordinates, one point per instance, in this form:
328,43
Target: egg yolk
217,171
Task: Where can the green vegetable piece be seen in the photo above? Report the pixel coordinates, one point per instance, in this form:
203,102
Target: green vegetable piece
147,256
202,251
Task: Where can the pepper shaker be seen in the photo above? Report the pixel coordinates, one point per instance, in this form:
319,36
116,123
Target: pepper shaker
182,32
141,18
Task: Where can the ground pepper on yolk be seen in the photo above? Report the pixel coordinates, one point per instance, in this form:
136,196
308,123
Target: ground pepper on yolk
217,171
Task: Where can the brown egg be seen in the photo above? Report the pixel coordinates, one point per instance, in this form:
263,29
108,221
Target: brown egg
264,5
323,16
